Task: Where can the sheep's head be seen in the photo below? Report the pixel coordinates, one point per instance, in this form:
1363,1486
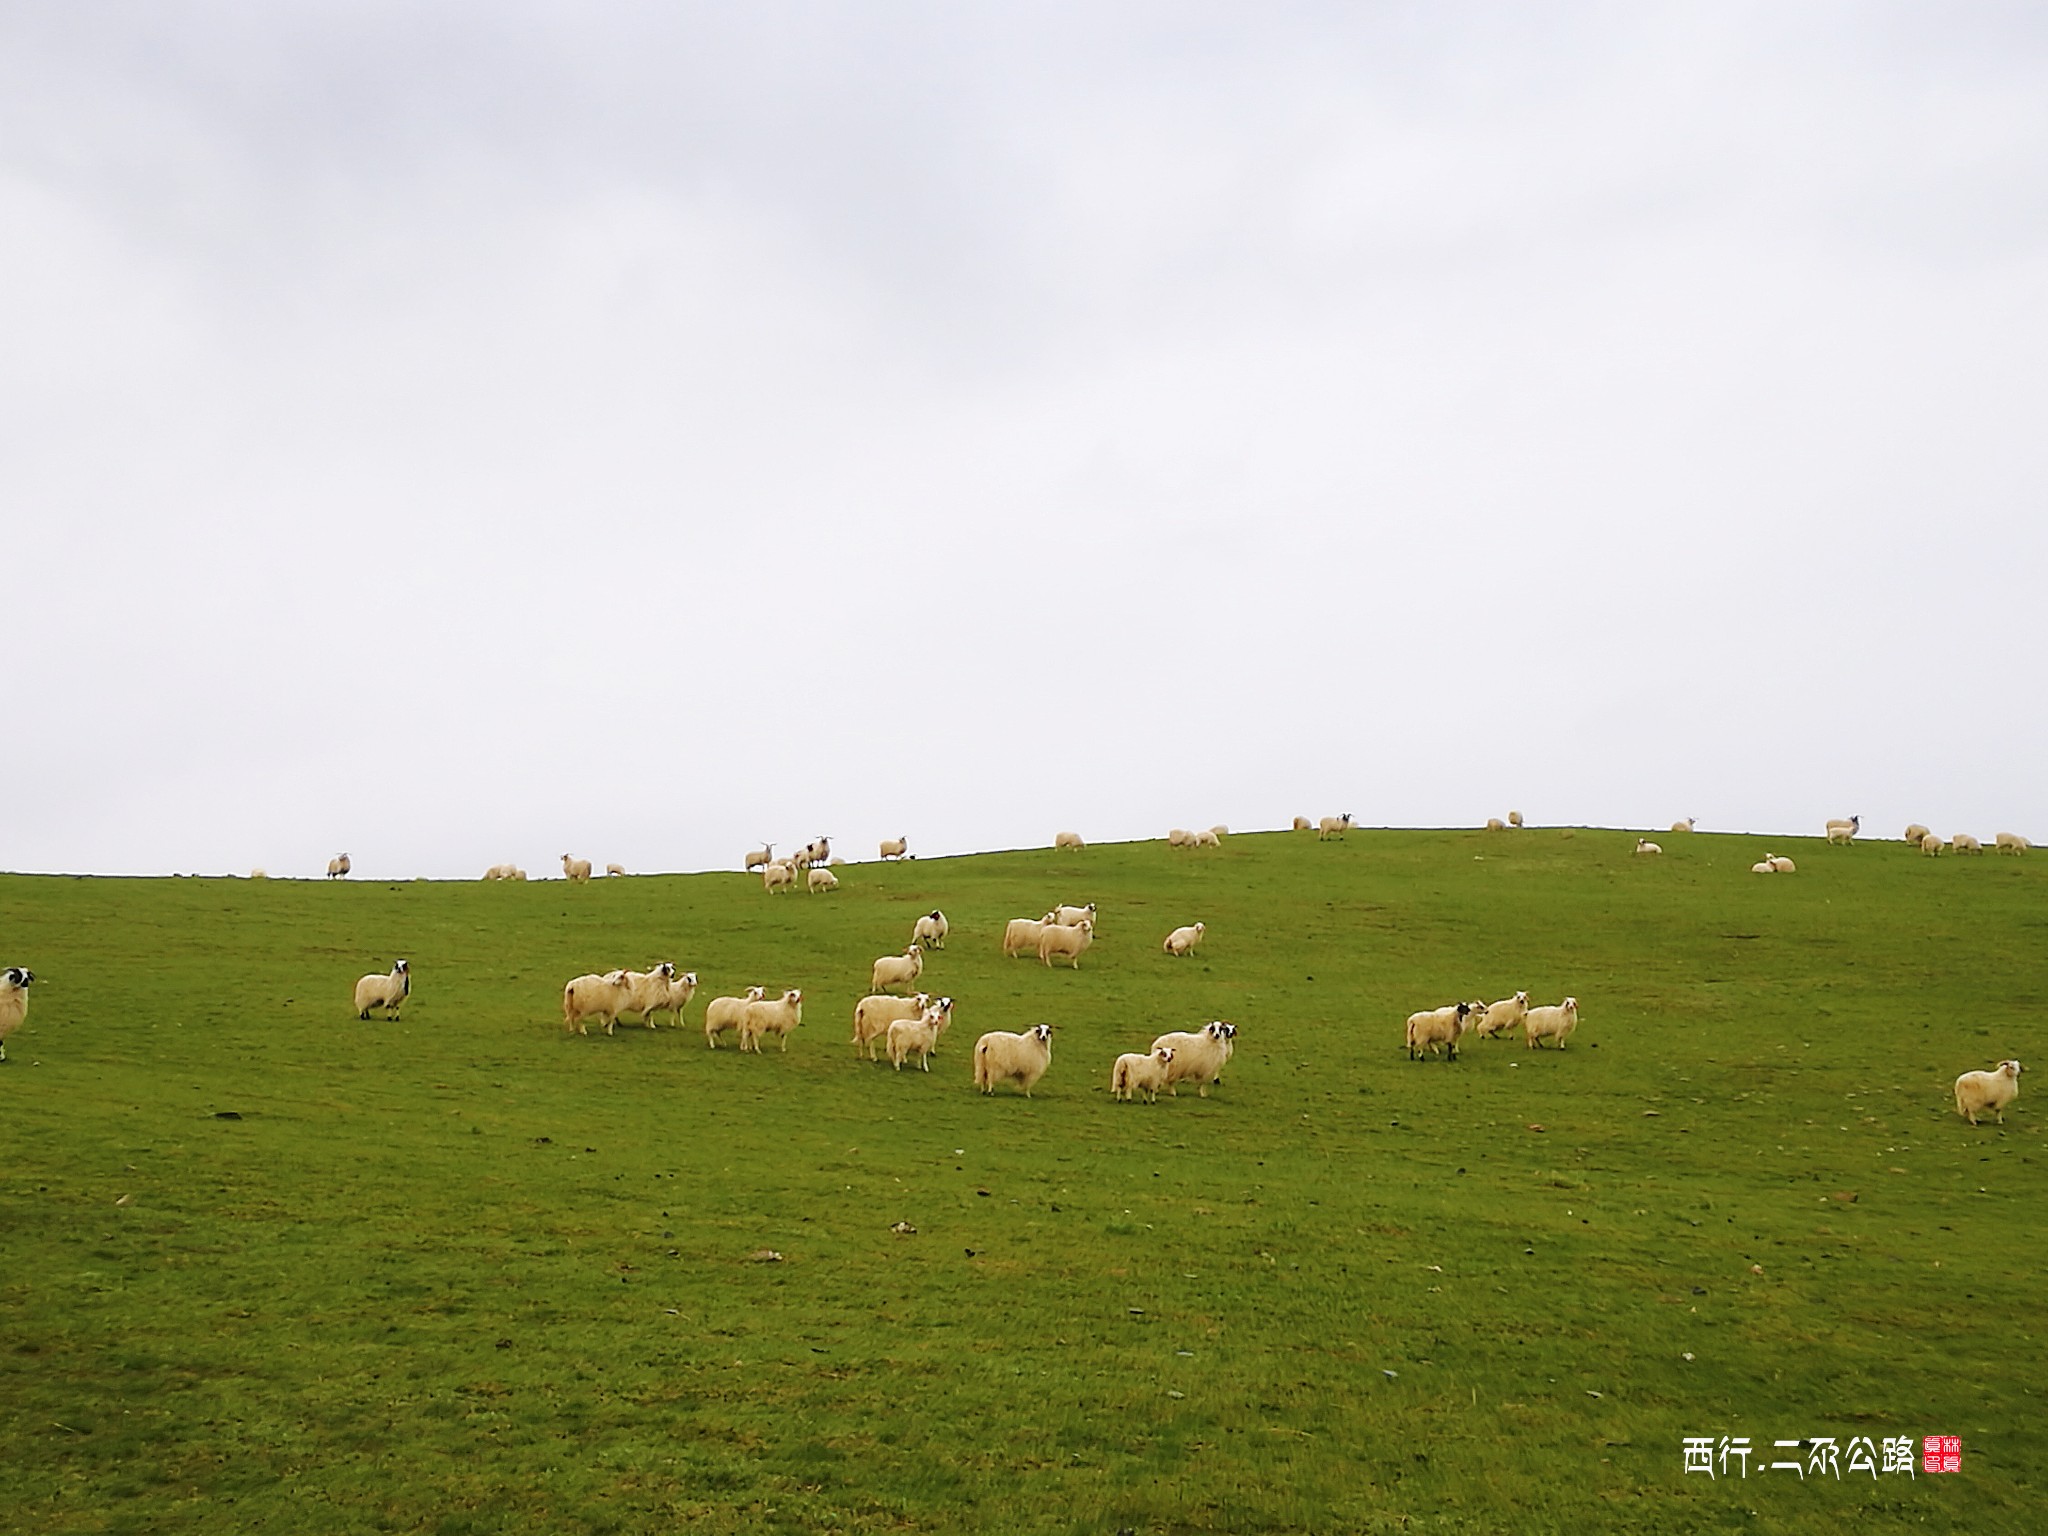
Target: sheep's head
19,976
400,967
1164,1054
1042,1033
1522,998
2011,1069
793,995
690,977
666,970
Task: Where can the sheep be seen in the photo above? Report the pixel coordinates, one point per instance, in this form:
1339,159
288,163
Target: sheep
1303,824
2011,842
1204,840
1200,1057
898,970
1502,1016
920,1034
776,874
1073,915
1781,865
611,870
1180,837
1914,832
1006,1058
894,848
1645,846
1963,842
259,873
1495,824
759,1018
1764,866
595,997
1333,826
337,867
765,854
723,1013
388,992
1440,1026
1931,846
1844,832
799,861
1060,939
680,990
578,870
873,1015
1219,831
819,852
1683,826
1136,1072
1021,934
14,985
647,991
1551,1023
821,880
1067,840
502,872
1993,1090
1182,941
931,930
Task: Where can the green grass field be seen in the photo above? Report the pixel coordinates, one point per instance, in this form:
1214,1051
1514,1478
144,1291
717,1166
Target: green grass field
465,1273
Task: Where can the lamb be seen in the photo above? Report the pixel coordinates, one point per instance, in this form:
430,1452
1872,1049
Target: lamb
1845,831
1962,842
776,874
1067,840
1440,1026
1060,939
1303,824
1136,1072
595,997
765,854
1204,840
873,1015
1073,915
614,869
14,985
1021,934
1006,1058
920,1034
894,847
898,970
1780,865
647,991
1200,1057
680,990
1551,1023
1182,941
1993,1090
2010,842
388,992
337,867
1931,846
1333,826
1914,832
821,880
931,930
578,870
1495,824
1502,1016
760,1018
723,1013
1682,826
1645,846
1764,866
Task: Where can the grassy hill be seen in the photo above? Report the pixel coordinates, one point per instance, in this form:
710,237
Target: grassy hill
272,1268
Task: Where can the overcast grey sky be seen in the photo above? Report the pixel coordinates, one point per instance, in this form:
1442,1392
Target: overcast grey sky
473,431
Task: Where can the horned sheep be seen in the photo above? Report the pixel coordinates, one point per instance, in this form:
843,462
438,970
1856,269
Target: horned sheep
1977,1092
1021,1058
762,855
1136,1072
384,990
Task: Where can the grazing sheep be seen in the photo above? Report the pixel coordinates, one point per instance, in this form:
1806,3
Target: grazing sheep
1514,818
723,1013
894,847
337,867
1502,1016
259,873
1020,935
1645,846
647,991
1180,837
1333,826
920,1034
1182,941
595,997
762,855
1067,840
502,872
1782,865
760,1018
1682,826
1931,846
1219,831
1495,824
1006,1058
931,930
388,992
1200,1057
1845,831
1444,1026
873,1015
898,970
614,869
2010,842
1962,842
1136,1072
821,880
578,870
14,985
1204,840
1303,824
1551,1023
1993,1090
1062,939
1914,832
776,874
1073,915
1764,866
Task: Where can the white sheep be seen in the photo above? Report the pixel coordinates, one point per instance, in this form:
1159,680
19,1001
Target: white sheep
1553,1023
259,873
386,991
1020,934
821,880
647,991
1182,941
1993,1090
898,970
1645,846
1682,826
920,1034
776,874
1219,831
2010,842
762,855
1198,1057
819,852
337,867
1495,824
1914,832
1780,865
1006,1058
1931,845
1514,818
1444,1026
723,1013
1333,826
1067,840
578,870
1844,831
1502,1016
1764,866
1963,842
1063,939
611,870
931,930
1180,837
595,997
779,1017
1303,824
680,990
1204,840
502,872
873,1015
894,847
14,985
1136,1072
1073,915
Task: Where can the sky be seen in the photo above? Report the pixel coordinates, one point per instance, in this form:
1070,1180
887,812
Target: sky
476,432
